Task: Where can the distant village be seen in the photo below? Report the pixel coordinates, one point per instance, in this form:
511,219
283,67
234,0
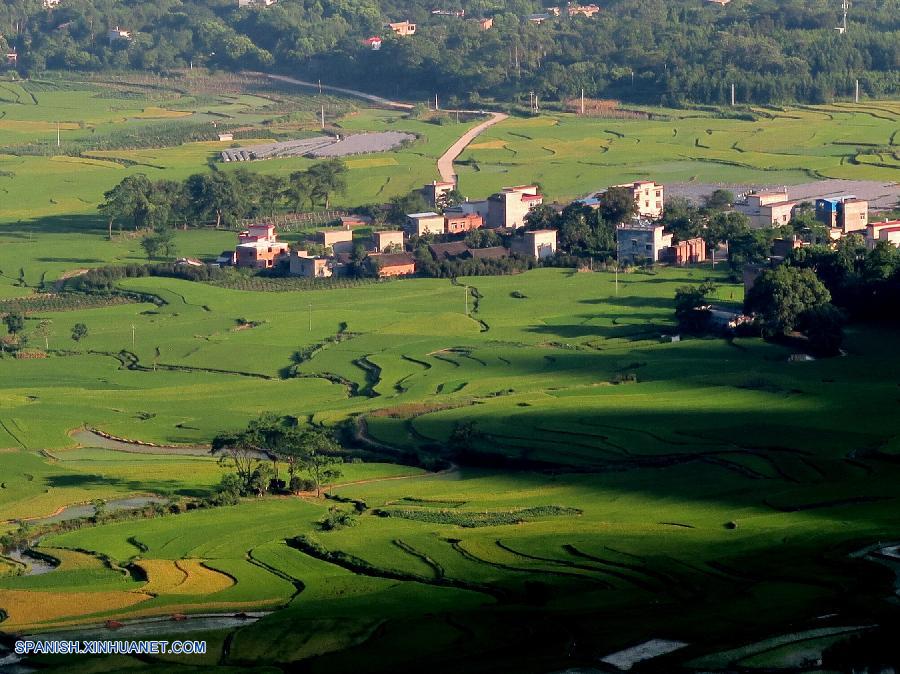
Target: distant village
642,240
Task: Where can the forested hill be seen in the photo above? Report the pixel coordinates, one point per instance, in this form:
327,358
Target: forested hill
652,51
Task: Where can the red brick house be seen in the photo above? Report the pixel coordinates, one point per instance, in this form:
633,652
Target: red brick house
458,223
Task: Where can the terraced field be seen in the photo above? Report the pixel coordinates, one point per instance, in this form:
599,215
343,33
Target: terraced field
693,491
571,155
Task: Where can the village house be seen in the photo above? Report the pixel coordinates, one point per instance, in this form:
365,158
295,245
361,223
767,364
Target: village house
448,251
641,241
310,267
394,264
483,24
721,3
538,19
387,240
116,34
539,243
689,251
256,3
225,137
259,248
373,43
50,4
648,196
457,223
509,207
351,221
845,214
782,248
767,209
583,10
338,240
420,224
436,191
468,208
12,58
403,28
456,13
491,253
888,230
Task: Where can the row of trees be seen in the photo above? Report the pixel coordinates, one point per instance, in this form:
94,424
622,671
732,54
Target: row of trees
222,198
639,50
257,452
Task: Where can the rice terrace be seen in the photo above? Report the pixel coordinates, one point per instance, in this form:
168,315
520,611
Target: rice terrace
539,467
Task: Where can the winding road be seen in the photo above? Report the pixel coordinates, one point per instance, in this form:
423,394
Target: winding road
445,161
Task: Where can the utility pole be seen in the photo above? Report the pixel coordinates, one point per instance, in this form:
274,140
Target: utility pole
310,316
320,87
436,102
582,100
323,116
57,135
467,301
857,91
132,336
732,94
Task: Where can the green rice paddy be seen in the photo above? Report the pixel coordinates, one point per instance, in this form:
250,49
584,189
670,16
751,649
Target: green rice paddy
615,486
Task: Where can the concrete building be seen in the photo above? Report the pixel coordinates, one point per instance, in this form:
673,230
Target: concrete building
116,34
767,209
259,248
403,28
640,241
508,207
468,207
539,243
436,191
310,267
338,240
648,195
583,10
394,264
420,224
387,239
689,251
457,223
846,213
887,230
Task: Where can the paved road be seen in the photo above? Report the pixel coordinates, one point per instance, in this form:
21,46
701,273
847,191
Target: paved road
445,162
350,92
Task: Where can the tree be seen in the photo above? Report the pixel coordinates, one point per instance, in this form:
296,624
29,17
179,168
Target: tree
160,243
782,295
327,178
15,322
79,332
718,200
216,195
483,238
44,330
824,328
129,201
682,218
317,451
689,306
618,205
